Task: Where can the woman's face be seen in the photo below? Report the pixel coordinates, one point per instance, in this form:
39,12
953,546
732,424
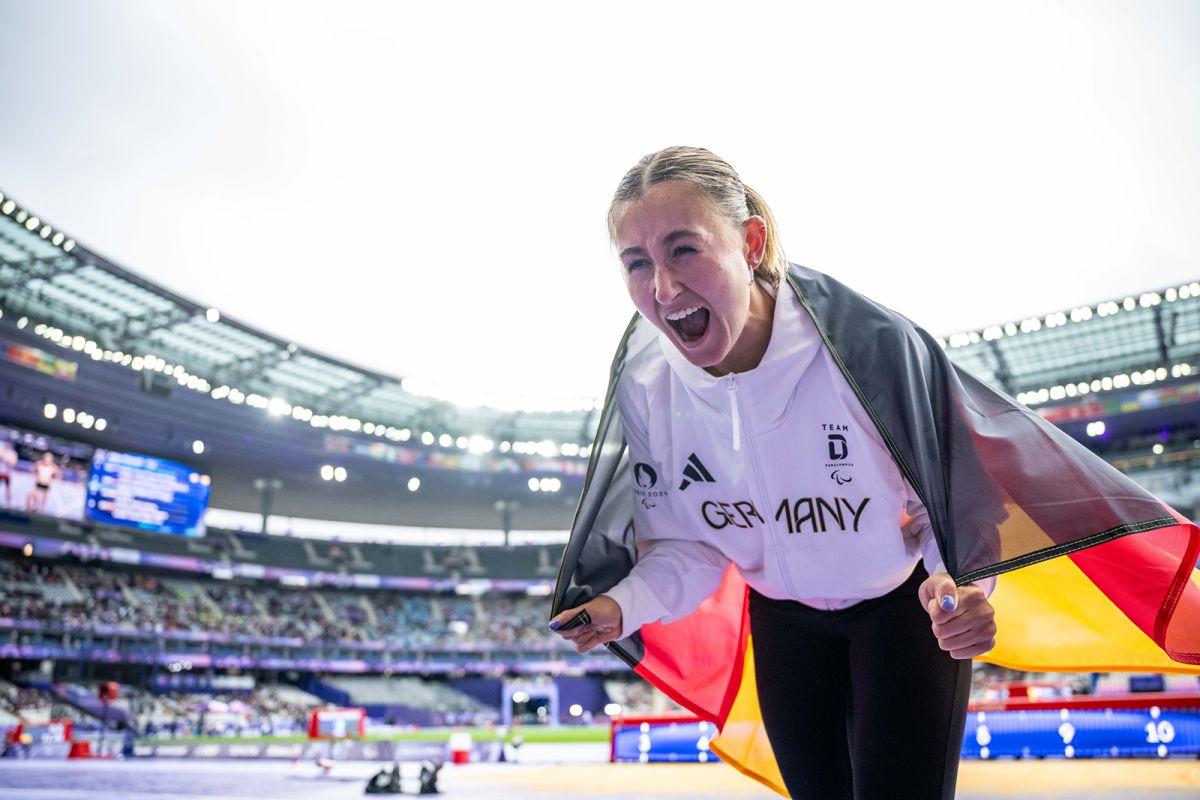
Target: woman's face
688,268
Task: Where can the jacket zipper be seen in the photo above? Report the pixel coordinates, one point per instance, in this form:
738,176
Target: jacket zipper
759,480
733,412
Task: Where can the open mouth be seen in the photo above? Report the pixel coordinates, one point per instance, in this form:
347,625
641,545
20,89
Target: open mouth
690,323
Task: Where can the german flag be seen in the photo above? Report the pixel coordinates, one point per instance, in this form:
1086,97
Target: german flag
1098,574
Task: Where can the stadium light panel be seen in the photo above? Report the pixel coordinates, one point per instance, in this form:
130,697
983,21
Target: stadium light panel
575,710
68,246
327,472
22,322
212,315
68,415
427,438
22,215
101,424
8,207
445,440
50,410
198,447
414,483
1158,449
339,474
534,486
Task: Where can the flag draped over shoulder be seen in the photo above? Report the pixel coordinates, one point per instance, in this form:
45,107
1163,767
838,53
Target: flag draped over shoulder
1099,575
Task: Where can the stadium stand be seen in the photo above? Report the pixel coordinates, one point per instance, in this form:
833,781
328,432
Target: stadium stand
91,598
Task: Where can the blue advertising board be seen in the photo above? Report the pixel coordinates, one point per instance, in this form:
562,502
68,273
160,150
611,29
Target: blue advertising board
683,741
1086,733
1081,733
145,492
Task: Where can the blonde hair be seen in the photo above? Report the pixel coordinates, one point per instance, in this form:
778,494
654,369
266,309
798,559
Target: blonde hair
719,184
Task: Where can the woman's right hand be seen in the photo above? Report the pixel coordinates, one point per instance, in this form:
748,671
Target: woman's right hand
604,627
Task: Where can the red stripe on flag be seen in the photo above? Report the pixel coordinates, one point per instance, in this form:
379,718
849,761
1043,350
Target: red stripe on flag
697,660
1148,576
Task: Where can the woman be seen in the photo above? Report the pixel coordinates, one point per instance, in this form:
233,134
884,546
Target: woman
792,440
835,578
45,472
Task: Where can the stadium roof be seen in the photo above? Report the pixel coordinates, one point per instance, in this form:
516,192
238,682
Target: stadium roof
80,300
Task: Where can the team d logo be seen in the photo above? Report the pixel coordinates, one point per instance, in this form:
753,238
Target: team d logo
645,475
838,451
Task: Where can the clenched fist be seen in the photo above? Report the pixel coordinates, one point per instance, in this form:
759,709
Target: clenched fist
964,622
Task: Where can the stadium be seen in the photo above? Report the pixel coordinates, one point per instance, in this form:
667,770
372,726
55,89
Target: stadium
235,566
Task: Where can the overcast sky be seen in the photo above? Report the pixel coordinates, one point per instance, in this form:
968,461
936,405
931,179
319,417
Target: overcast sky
421,188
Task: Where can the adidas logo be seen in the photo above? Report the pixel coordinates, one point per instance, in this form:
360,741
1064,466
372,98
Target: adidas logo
694,472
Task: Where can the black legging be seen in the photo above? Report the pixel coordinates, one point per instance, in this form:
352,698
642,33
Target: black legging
860,703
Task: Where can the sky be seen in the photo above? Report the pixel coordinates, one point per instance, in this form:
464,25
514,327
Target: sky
421,189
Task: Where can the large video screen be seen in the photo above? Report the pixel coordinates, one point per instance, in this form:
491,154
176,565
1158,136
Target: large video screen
146,492
42,474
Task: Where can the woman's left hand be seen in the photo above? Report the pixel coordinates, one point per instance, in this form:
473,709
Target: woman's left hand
964,622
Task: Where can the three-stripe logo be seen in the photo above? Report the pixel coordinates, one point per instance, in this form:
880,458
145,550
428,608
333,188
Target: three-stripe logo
695,472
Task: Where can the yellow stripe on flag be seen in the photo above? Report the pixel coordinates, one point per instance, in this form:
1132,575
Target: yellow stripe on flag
743,743
1051,618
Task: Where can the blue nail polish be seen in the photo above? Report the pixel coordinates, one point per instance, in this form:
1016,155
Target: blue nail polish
554,625
948,602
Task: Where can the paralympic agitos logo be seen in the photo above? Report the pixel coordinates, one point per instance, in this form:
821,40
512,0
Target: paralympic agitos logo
645,479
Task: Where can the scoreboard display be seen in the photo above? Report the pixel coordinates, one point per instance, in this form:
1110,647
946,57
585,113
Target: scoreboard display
337,723
148,493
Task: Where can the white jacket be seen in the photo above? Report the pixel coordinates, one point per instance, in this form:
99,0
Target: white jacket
778,470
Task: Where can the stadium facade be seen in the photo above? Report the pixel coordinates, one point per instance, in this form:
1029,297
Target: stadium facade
95,359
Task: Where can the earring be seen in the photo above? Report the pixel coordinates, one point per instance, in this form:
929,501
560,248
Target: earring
753,267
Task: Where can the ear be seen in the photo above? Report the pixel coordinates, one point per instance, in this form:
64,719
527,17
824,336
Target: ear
754,239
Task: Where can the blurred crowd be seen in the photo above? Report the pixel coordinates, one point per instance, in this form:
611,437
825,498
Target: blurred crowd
267,710
86,596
